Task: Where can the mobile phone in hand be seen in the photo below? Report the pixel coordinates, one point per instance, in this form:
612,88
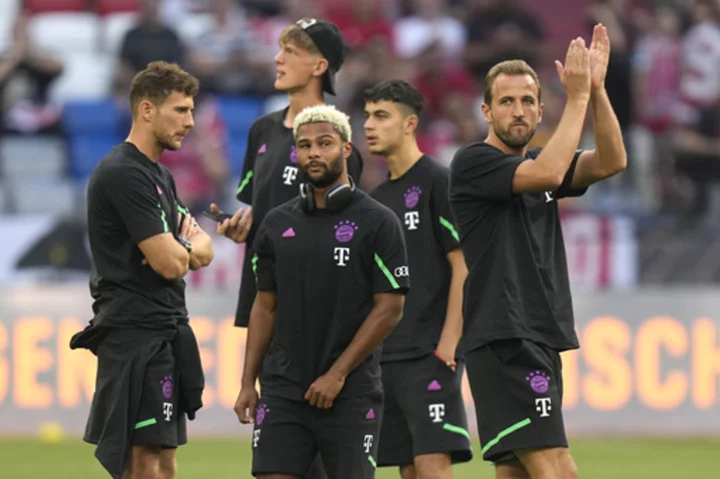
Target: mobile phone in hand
220,217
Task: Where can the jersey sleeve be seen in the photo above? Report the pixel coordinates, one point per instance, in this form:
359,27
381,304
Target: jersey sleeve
443,223
480,171
244,190
135,198
263,259
390,263
355,166
566,190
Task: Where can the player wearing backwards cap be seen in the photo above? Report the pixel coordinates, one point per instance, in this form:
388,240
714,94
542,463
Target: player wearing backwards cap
331,272
311,54
424,429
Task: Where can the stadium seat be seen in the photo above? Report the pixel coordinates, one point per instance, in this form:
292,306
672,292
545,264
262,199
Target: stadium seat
45,196
239,113
86,151
8,12
107,7
115,26
24,157
84,118
65,33
86,76
48,6
237,145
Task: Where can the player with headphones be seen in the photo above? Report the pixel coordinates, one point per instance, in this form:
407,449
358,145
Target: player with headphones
331,273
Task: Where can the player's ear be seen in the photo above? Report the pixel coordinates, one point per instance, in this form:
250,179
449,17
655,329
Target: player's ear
320,67
347,149
540,112
411,124
146,109
487,113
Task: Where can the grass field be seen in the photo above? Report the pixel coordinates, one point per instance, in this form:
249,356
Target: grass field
219,459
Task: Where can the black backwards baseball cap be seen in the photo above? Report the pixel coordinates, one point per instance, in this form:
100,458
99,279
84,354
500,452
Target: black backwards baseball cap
328,38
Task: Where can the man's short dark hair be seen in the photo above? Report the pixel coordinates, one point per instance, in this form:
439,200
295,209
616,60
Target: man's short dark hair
396,91
158,81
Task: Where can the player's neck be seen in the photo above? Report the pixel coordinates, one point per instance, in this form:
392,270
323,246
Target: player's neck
320,192
145,142
493,140
300,100
402,159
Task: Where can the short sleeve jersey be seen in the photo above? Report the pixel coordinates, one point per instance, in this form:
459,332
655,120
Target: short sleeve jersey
131,198
326,269
517,286
419,198
271,176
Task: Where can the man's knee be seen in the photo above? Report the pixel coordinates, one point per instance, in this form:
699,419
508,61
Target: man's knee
511,470
408,472
433,466
143,463
550,463
168,464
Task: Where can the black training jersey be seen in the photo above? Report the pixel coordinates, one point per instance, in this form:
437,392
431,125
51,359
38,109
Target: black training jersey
325,268
419,198
271,176
517,285
131,198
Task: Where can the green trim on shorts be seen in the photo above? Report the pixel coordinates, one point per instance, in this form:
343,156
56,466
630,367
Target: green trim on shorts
145,423
506,432
456,430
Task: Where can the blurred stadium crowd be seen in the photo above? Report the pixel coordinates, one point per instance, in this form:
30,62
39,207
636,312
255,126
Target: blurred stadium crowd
66,66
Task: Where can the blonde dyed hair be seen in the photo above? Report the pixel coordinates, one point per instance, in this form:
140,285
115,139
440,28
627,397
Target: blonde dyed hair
324,114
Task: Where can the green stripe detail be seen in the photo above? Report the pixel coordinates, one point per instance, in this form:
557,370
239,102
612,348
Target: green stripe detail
372,461
163,218
254,265
386,272
182,210
245,182
145,423
451,228
456,430
506,432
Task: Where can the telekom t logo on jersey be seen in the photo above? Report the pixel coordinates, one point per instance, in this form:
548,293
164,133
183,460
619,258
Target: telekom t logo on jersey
341,255
289,174
412,219
367,443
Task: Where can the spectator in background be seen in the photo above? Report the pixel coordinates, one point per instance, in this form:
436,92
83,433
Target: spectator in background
150,40
224,58
25,109
201,166
697,142
363,22
656,76
500,30
429,24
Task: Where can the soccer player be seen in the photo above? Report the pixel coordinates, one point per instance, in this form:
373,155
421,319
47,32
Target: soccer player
518,308
311,54
331,269
143,241
424,428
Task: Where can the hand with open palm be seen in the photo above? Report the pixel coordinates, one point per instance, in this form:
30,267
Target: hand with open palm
599,56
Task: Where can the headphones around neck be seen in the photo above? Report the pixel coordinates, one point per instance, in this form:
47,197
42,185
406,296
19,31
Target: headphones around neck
336,198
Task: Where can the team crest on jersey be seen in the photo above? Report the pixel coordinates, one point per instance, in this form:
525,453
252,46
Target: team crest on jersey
293,155
345,230
412,196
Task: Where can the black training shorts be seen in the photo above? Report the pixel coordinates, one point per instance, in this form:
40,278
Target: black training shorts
517,387
424,412
288,434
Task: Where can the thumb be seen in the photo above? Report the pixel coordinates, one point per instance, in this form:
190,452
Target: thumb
560,70
214,208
